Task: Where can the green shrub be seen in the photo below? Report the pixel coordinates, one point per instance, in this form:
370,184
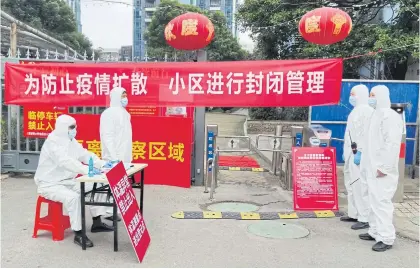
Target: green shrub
281,113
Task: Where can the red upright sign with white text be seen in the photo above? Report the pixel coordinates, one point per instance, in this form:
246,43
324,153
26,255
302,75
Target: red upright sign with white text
193,84
314,179
163,143
127,204
39,121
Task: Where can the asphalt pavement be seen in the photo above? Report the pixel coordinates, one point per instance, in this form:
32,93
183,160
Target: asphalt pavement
194,243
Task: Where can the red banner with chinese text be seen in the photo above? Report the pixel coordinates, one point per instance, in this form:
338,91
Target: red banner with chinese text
193,84
163,143
39,121
314,179
127,204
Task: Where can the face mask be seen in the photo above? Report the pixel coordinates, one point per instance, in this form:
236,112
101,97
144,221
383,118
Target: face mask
72,133
372,102
352,100
124,101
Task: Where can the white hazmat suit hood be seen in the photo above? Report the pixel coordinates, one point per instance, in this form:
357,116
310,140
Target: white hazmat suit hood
115,130
356,131
383,148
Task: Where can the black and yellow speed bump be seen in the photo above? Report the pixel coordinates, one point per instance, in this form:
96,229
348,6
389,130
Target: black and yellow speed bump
255,215
252,169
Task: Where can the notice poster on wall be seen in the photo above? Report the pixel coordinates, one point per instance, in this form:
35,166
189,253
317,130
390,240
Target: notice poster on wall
39,121
314,179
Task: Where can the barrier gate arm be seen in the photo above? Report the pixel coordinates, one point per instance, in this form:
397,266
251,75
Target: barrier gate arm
275,137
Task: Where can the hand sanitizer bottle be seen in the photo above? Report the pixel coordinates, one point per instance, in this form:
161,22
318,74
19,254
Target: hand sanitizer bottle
90,173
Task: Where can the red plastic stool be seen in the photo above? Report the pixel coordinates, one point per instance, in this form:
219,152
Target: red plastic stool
54,222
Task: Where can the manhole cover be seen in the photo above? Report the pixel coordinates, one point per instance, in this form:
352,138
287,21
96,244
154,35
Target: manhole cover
415,220
278,230
233,207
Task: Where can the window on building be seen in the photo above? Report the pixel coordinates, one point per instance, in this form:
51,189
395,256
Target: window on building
215,3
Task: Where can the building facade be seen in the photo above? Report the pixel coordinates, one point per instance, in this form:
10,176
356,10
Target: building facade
75,6
126,53
143,13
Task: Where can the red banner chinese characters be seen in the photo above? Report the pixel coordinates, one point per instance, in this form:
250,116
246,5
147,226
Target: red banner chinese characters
126,201
192,84
314,179
39,121
163,143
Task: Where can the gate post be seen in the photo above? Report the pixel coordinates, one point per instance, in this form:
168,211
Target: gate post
276,154
197,162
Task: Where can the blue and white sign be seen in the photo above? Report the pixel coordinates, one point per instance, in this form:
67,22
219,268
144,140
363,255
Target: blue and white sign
298,140
210,147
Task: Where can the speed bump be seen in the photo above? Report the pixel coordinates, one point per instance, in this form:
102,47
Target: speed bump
251,169
255,215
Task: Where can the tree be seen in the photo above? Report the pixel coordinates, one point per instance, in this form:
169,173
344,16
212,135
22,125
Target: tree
224,47
281,39
54,17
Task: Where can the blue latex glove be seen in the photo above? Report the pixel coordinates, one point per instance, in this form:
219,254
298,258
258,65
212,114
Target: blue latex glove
96,171
357,158
108,165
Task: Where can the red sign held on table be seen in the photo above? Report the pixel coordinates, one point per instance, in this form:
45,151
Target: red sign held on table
314,179
127,204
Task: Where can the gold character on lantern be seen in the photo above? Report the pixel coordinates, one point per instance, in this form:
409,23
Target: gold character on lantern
168,32
338,20
189,27
210,28
312,24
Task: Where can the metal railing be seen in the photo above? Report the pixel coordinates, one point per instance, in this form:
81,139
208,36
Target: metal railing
212,163
282,158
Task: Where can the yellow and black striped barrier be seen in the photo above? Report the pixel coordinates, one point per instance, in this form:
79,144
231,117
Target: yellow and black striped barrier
252,169
255,215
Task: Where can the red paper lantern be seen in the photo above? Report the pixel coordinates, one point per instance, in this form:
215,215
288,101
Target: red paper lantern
324,26
189,31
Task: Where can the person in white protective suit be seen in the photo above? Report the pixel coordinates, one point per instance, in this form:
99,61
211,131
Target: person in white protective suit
381,165
116,132
60,162
354,146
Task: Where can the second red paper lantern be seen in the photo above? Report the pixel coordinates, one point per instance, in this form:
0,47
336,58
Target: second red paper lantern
324,26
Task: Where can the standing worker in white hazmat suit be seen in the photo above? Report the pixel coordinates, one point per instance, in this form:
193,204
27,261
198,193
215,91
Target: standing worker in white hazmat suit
354,147
115,130
381,163
60,162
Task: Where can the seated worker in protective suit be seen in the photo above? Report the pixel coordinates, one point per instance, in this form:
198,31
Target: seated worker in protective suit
60,162
381,165
115,131
354,145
